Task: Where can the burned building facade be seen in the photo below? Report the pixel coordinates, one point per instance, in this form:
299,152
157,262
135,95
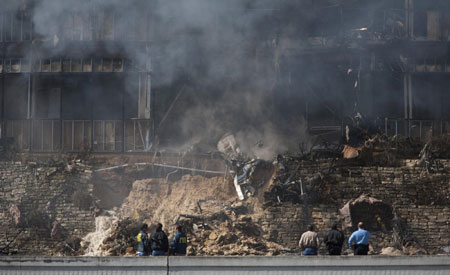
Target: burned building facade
73,87
106,76
387,62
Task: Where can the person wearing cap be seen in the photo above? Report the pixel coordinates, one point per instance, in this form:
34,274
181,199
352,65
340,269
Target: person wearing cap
309,241
334,240
360,238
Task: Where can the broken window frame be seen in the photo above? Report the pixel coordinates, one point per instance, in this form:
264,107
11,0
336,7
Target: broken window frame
1,26
15,26
78,26
71,65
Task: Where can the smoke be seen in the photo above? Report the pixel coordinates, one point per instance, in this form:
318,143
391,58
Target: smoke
228,52
230,55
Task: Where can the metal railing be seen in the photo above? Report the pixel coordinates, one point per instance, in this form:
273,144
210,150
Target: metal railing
78,26
416,127
136,135
55,135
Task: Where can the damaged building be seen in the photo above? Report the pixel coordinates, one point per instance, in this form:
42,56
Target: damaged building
265,116
74,88
91,82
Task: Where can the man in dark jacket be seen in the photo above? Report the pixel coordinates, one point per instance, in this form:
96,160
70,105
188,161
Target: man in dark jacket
334,241
179,243
143,248
159,243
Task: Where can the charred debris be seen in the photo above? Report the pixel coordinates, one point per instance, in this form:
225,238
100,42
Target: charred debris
361,144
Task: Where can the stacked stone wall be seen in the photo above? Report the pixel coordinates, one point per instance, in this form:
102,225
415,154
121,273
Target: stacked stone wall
419,198
38,214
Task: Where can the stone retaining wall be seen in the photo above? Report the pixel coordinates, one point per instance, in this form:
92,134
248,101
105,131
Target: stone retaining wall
420,200
39,212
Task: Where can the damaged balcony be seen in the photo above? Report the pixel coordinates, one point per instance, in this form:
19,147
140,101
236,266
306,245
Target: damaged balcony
50,135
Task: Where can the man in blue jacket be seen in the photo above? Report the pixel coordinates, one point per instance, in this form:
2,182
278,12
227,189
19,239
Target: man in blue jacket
179,243
361,240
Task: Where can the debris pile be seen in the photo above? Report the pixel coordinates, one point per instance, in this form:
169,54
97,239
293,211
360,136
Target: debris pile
215,222
232,231
122,238
250,177
93,244
254,209
389,151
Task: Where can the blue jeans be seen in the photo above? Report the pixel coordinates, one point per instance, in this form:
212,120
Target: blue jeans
142,254
310,251
158,253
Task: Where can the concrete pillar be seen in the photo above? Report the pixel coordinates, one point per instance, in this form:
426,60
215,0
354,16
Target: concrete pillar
148,96
2,87
407,95
144,96
29,100
409,18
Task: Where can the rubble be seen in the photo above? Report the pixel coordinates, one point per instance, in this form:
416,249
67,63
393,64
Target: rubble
351,152
221,226
251,176
122,239
391,251
228,146
406,210
234,234
288,194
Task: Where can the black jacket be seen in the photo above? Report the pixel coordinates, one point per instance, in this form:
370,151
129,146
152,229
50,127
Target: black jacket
159,241
334,238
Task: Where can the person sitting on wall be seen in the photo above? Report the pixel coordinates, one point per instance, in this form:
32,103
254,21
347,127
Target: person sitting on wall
361,240
309,241
179,243
159,243
334,240
143,248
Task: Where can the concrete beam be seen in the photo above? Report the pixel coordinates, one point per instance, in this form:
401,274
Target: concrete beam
227,265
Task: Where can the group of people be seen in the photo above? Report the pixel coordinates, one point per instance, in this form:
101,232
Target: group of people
157,243
334,240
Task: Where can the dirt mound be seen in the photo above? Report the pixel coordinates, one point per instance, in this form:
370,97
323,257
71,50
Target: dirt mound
207,208
158,200
234,230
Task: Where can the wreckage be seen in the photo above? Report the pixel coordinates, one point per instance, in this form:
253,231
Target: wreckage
114,112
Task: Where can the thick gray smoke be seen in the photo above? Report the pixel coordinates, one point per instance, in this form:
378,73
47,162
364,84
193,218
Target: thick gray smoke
228,50
224,55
